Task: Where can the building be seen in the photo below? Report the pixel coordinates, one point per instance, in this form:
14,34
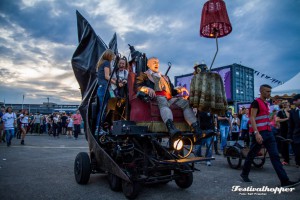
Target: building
238,82
45,108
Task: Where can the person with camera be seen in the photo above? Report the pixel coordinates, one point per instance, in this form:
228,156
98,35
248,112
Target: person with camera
119,79
157,86
235,127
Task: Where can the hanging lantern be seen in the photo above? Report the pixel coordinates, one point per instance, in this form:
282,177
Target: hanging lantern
214,20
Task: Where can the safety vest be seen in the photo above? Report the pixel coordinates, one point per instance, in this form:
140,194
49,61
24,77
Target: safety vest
262,118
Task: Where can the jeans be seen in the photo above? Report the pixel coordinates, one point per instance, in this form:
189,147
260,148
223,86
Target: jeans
76,130
209,144
102,102
10,133
270,144
224,131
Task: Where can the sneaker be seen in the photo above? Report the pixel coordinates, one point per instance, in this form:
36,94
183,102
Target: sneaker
217,153
208,163
290,184
245,178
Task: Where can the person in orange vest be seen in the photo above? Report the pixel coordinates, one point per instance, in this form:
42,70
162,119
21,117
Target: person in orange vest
262,134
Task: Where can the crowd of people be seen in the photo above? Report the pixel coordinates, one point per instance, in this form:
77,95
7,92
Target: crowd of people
19,124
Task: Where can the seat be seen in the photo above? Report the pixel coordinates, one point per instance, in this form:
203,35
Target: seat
147,113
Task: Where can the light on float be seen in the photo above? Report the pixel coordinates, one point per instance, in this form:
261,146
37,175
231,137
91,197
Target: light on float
178,144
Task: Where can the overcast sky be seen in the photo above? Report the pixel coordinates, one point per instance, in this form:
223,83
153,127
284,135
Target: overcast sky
38,38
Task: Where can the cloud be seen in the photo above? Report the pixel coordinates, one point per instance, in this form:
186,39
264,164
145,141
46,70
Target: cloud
38,38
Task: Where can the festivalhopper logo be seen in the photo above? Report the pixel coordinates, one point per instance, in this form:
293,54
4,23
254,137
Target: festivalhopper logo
260,190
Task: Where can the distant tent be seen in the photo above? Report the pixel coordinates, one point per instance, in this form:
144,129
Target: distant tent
289,88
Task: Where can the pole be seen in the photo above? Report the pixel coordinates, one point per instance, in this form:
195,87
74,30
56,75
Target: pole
48,104
23,101
215,53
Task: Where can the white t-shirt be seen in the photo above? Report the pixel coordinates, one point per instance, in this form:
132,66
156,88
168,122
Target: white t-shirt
37,119
24,119
70,124
9,119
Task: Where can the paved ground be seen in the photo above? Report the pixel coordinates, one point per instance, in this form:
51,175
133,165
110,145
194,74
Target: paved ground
43,169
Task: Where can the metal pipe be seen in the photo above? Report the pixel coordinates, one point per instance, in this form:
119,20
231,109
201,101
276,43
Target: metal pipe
215,53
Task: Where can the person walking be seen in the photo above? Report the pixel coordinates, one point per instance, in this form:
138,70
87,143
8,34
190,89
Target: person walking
9,119
262,134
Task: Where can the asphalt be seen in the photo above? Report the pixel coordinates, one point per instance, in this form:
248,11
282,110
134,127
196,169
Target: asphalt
43,169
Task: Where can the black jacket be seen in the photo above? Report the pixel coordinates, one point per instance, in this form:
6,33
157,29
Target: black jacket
294,126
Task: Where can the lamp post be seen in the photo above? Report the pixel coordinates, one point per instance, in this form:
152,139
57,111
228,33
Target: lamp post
23,101
48,105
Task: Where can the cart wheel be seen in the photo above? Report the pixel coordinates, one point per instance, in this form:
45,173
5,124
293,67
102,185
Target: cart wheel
82,168
234,157
115,183
260,160
130,189
185,180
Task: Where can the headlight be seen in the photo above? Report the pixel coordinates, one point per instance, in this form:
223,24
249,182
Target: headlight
178,144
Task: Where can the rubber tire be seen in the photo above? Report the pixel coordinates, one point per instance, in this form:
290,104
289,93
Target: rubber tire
115,183
130,189
82,168
238,156
185,180
260,164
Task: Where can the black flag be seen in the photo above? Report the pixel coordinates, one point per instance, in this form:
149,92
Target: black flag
86,55
84,61
113,45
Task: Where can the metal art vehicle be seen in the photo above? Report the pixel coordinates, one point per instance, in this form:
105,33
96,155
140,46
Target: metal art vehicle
135,148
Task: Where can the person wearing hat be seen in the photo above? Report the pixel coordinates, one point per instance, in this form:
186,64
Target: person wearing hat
294,128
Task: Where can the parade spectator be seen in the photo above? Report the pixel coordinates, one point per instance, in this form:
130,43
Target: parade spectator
235,127
207,126
294,128
77,122
2,132
37,122
275,127
282,118
119,79
50,124
224,124
19,125
215,138
55,125
9,119
260,127
59,125
31,123
44,124
245,126
64,123
103,75
70,126
25,120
